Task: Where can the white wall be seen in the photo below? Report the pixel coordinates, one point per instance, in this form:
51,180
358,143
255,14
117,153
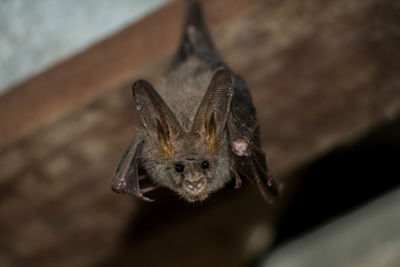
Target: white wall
34,35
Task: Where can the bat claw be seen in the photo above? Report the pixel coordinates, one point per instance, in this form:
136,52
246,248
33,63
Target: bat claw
238,181
148,189
146,198
270,178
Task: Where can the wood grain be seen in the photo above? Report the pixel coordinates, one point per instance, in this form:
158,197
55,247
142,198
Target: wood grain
43,99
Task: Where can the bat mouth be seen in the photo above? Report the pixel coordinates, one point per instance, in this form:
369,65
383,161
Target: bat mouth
195,191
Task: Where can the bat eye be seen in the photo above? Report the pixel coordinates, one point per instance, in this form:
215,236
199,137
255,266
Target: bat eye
179,167
205,165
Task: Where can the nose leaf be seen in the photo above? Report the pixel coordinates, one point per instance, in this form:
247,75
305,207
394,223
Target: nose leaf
195,185
193,177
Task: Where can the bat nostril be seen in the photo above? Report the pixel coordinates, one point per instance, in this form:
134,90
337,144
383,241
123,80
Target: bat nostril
190,186
200,184
196,186
194,180
193,183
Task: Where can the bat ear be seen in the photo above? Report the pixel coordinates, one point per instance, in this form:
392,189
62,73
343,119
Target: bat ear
211,117
156,117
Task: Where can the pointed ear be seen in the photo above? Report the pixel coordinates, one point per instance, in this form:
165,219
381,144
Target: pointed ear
156,117
211,117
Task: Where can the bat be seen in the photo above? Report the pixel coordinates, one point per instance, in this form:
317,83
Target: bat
198,128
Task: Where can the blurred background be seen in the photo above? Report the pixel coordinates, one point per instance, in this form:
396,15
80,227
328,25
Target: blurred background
325,81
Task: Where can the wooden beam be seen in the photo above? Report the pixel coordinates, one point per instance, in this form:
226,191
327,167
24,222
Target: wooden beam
51,95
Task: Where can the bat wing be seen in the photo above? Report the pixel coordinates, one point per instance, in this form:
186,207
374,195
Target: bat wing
129,178
248,159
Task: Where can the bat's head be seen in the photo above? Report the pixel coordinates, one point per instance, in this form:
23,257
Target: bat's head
195,162
193,170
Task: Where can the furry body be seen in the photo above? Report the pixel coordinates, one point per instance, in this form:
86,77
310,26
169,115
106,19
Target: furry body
199,126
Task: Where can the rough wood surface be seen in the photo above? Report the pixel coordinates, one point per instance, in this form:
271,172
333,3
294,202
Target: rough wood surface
51,95
322,73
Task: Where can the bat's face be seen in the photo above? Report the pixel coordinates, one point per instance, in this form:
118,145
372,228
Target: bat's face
192,170
192,178
192,162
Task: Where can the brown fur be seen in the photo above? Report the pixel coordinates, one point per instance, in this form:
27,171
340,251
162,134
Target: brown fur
199,126
183,90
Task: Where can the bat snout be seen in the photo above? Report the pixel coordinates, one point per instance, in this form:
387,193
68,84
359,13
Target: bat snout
196,186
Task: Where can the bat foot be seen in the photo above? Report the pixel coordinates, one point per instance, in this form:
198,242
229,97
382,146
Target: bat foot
148,189
193,34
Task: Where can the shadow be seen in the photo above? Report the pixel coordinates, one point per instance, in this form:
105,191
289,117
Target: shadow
342,181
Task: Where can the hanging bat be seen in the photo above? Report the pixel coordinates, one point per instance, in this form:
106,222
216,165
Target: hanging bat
199,127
